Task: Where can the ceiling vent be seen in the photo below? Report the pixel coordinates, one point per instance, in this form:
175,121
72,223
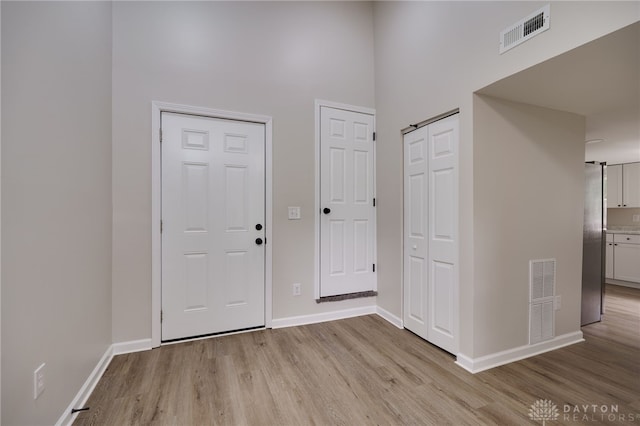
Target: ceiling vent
525,28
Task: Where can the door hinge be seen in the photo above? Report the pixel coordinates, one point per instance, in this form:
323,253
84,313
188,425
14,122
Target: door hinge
374,267
161,135
374,201
161,315
374,136
161,227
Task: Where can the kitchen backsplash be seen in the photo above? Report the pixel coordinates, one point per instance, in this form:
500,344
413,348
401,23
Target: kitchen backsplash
622,217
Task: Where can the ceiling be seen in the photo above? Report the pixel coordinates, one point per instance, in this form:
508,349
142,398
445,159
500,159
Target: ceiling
600,80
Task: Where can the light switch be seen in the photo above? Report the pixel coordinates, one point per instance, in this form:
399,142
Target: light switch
294,213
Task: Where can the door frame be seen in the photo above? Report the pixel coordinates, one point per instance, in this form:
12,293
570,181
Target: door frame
157,108
317,218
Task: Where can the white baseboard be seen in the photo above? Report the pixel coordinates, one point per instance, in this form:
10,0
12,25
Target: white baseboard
623,283
397,321
476,365
85,391
132,346
322,317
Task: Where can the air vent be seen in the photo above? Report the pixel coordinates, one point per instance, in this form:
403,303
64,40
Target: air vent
525,28
542,290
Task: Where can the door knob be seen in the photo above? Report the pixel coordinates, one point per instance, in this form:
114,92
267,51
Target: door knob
258,241
326,210
415,247
258,227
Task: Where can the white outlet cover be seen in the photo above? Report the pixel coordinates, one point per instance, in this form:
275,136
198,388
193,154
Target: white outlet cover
297,290
38,381
294,213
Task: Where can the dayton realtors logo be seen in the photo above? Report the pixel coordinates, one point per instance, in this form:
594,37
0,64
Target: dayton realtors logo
545,410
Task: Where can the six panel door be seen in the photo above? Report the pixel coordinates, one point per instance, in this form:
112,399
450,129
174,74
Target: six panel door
347,224
213,211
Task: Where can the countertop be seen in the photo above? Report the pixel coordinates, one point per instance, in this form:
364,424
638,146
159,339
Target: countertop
623,230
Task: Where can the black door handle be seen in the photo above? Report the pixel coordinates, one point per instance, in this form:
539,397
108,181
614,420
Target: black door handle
326,210
259,227
258,241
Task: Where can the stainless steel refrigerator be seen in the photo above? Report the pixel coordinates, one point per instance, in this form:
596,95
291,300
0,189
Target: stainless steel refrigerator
593,252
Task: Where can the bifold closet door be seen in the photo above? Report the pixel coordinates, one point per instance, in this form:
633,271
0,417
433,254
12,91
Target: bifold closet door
430,232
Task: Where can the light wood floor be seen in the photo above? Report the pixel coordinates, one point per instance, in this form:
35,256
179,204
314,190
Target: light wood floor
364,371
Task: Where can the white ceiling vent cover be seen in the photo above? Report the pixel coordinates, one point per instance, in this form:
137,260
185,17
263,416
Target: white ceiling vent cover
542,290
525,28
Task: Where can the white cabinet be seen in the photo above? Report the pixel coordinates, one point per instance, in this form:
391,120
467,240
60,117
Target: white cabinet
631,185
623,255
614,186
609,257
623,185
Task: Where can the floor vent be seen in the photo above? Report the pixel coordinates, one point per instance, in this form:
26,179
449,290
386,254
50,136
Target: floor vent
542,289
525,28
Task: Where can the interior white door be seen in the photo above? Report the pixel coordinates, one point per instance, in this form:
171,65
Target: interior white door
213,212
347,224
430,232
443,233
416,242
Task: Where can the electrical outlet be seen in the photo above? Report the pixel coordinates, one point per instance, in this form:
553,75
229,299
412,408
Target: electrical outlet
636,218
294,213
297,290
38,381
557,303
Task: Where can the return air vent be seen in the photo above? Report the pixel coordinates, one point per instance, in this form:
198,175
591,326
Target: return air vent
525,28
542,290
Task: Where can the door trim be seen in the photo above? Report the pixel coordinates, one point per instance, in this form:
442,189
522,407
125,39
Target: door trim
316,210
157,108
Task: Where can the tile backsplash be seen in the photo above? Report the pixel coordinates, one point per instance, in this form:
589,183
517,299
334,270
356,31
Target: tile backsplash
622,217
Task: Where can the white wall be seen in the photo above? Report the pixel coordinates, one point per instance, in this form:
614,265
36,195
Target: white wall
429,58
56,202
264,58
528,171
620,131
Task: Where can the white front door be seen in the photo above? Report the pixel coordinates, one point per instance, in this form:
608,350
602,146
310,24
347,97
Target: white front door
213,217
430,232
347,223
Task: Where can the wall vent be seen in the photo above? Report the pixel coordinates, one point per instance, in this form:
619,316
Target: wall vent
542,290
525,28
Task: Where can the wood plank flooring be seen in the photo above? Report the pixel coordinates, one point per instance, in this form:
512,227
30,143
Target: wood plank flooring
364,371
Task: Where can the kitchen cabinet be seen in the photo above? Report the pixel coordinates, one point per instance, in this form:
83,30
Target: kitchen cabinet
623,185
625,255
631,185
614,186
608,270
